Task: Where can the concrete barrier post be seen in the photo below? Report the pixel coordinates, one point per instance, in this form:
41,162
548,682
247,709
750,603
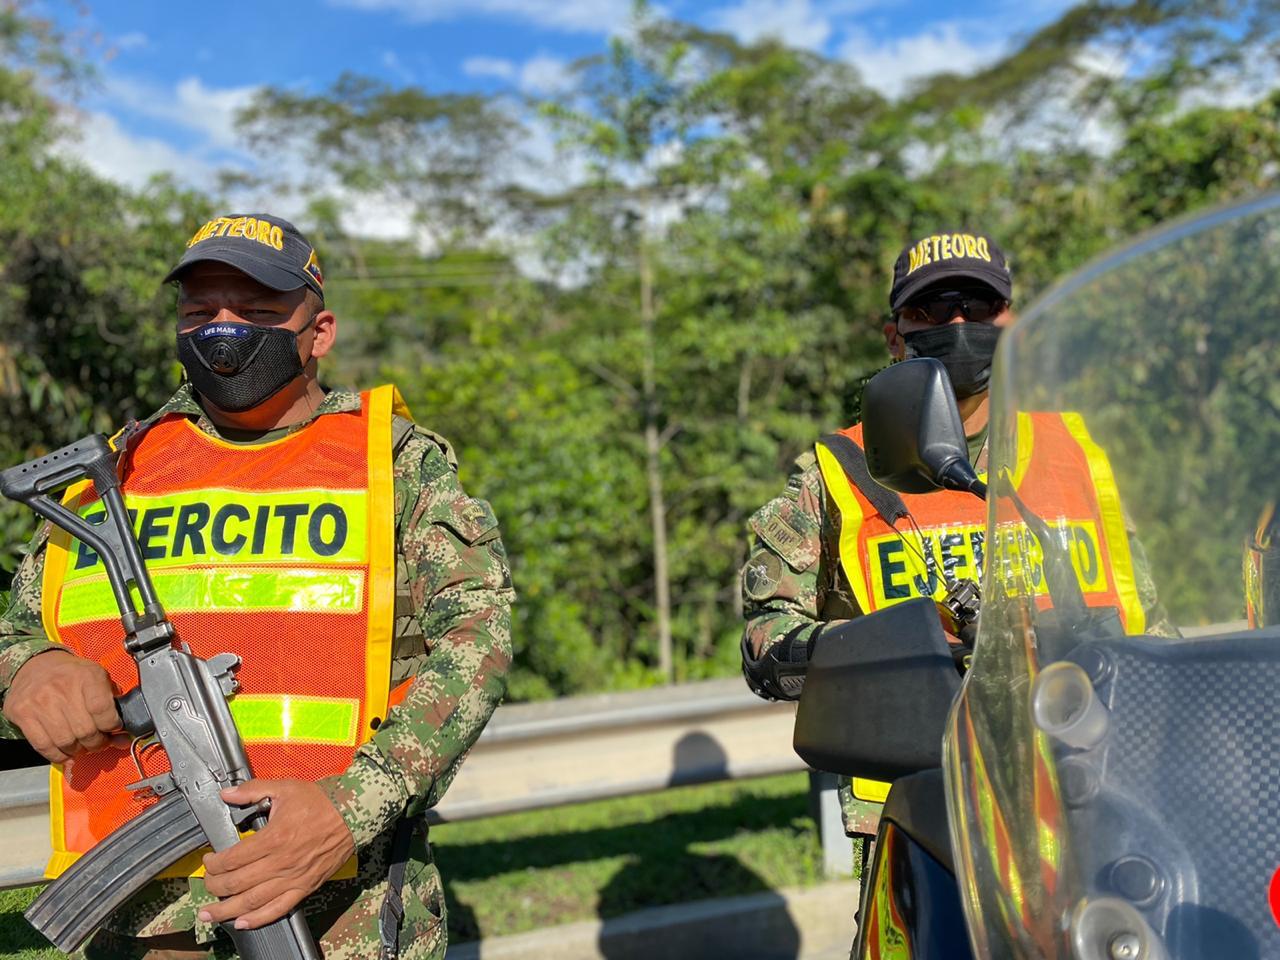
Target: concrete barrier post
837,848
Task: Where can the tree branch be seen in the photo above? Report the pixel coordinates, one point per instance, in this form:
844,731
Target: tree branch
608,376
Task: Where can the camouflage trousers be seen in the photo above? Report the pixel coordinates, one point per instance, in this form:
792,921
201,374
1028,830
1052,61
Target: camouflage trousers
351,935
861,817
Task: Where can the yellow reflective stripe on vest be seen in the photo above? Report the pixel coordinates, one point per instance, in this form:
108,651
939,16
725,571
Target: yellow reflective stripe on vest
1023,555
837,484
235,527
247,590
289,718
899,571
1026,446
384,403
872,791
1113,525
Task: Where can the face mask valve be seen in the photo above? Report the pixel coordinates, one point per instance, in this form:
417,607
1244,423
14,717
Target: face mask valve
236,366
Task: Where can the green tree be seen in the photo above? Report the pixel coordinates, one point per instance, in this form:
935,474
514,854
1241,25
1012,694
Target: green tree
86,331
440,156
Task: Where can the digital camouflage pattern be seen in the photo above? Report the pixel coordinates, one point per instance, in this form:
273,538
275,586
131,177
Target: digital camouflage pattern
793,584
780,582
352,935
452,636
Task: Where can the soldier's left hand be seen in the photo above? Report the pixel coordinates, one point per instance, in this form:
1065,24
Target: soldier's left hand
267,874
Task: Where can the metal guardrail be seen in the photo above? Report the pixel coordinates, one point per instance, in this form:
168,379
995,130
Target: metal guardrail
532,756
538,755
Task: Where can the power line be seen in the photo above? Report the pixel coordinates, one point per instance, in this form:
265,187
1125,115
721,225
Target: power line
414,283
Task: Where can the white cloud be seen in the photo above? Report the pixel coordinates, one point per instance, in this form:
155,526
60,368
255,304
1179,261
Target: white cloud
890,65
196,125
109,150
797,23
541,76
489,67
208,111
1111,62
396,67
585,16
131,41
380,217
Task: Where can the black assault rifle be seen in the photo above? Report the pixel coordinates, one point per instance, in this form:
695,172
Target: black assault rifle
179,702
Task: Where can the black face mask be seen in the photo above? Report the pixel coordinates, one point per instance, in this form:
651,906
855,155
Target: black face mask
965,349
236,366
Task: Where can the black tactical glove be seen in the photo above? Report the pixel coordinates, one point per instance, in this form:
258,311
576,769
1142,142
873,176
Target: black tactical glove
779,673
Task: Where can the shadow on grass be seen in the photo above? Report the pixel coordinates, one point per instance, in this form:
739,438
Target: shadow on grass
662,838
770,931
663,866
17,937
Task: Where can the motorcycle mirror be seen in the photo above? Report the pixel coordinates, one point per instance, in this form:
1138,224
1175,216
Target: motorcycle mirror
877,693
912,433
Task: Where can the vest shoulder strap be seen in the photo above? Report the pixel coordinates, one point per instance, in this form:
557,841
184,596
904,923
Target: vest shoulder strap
131,432
392,913
854,463
401,430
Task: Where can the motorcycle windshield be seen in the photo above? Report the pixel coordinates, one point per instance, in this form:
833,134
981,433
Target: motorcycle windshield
1113,761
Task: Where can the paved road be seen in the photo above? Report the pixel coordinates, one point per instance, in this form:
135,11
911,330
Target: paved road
814,923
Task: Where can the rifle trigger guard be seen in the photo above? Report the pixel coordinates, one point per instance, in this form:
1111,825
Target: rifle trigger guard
136,749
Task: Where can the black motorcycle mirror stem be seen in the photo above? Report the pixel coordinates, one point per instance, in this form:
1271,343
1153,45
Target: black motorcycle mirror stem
912,432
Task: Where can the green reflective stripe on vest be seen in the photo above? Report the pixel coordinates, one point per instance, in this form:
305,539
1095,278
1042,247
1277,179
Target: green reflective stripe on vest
293,719
252,590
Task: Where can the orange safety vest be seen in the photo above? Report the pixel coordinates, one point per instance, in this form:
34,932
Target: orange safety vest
1058,466
281,552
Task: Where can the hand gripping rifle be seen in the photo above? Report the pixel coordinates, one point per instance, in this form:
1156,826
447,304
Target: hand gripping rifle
180,701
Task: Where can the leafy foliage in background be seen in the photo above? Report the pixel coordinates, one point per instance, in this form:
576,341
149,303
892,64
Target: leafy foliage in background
702,301
86,332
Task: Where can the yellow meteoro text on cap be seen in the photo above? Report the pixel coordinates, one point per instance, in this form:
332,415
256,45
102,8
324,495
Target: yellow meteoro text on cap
248,228
947,246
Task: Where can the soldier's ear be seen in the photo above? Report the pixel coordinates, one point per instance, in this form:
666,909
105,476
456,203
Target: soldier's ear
893,339
324,333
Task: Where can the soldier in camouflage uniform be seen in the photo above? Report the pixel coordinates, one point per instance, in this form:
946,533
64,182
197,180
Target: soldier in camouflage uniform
793,582
452,640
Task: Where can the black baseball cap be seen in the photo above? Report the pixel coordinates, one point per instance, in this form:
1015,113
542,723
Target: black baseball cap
271,250
951,255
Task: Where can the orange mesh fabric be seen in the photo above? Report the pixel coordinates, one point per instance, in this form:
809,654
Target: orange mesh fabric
295,646
1056,479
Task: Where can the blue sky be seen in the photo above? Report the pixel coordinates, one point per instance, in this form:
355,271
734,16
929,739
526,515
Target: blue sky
171,75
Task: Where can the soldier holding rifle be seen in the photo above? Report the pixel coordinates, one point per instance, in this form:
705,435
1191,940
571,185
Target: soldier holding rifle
322,537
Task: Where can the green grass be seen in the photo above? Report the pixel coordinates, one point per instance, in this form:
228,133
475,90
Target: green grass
524,871
529,870
17,939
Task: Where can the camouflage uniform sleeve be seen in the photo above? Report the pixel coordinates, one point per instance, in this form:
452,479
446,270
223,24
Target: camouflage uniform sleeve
781,587
1157,619
461,590
21,630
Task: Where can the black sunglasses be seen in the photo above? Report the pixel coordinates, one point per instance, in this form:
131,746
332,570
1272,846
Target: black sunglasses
941,307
